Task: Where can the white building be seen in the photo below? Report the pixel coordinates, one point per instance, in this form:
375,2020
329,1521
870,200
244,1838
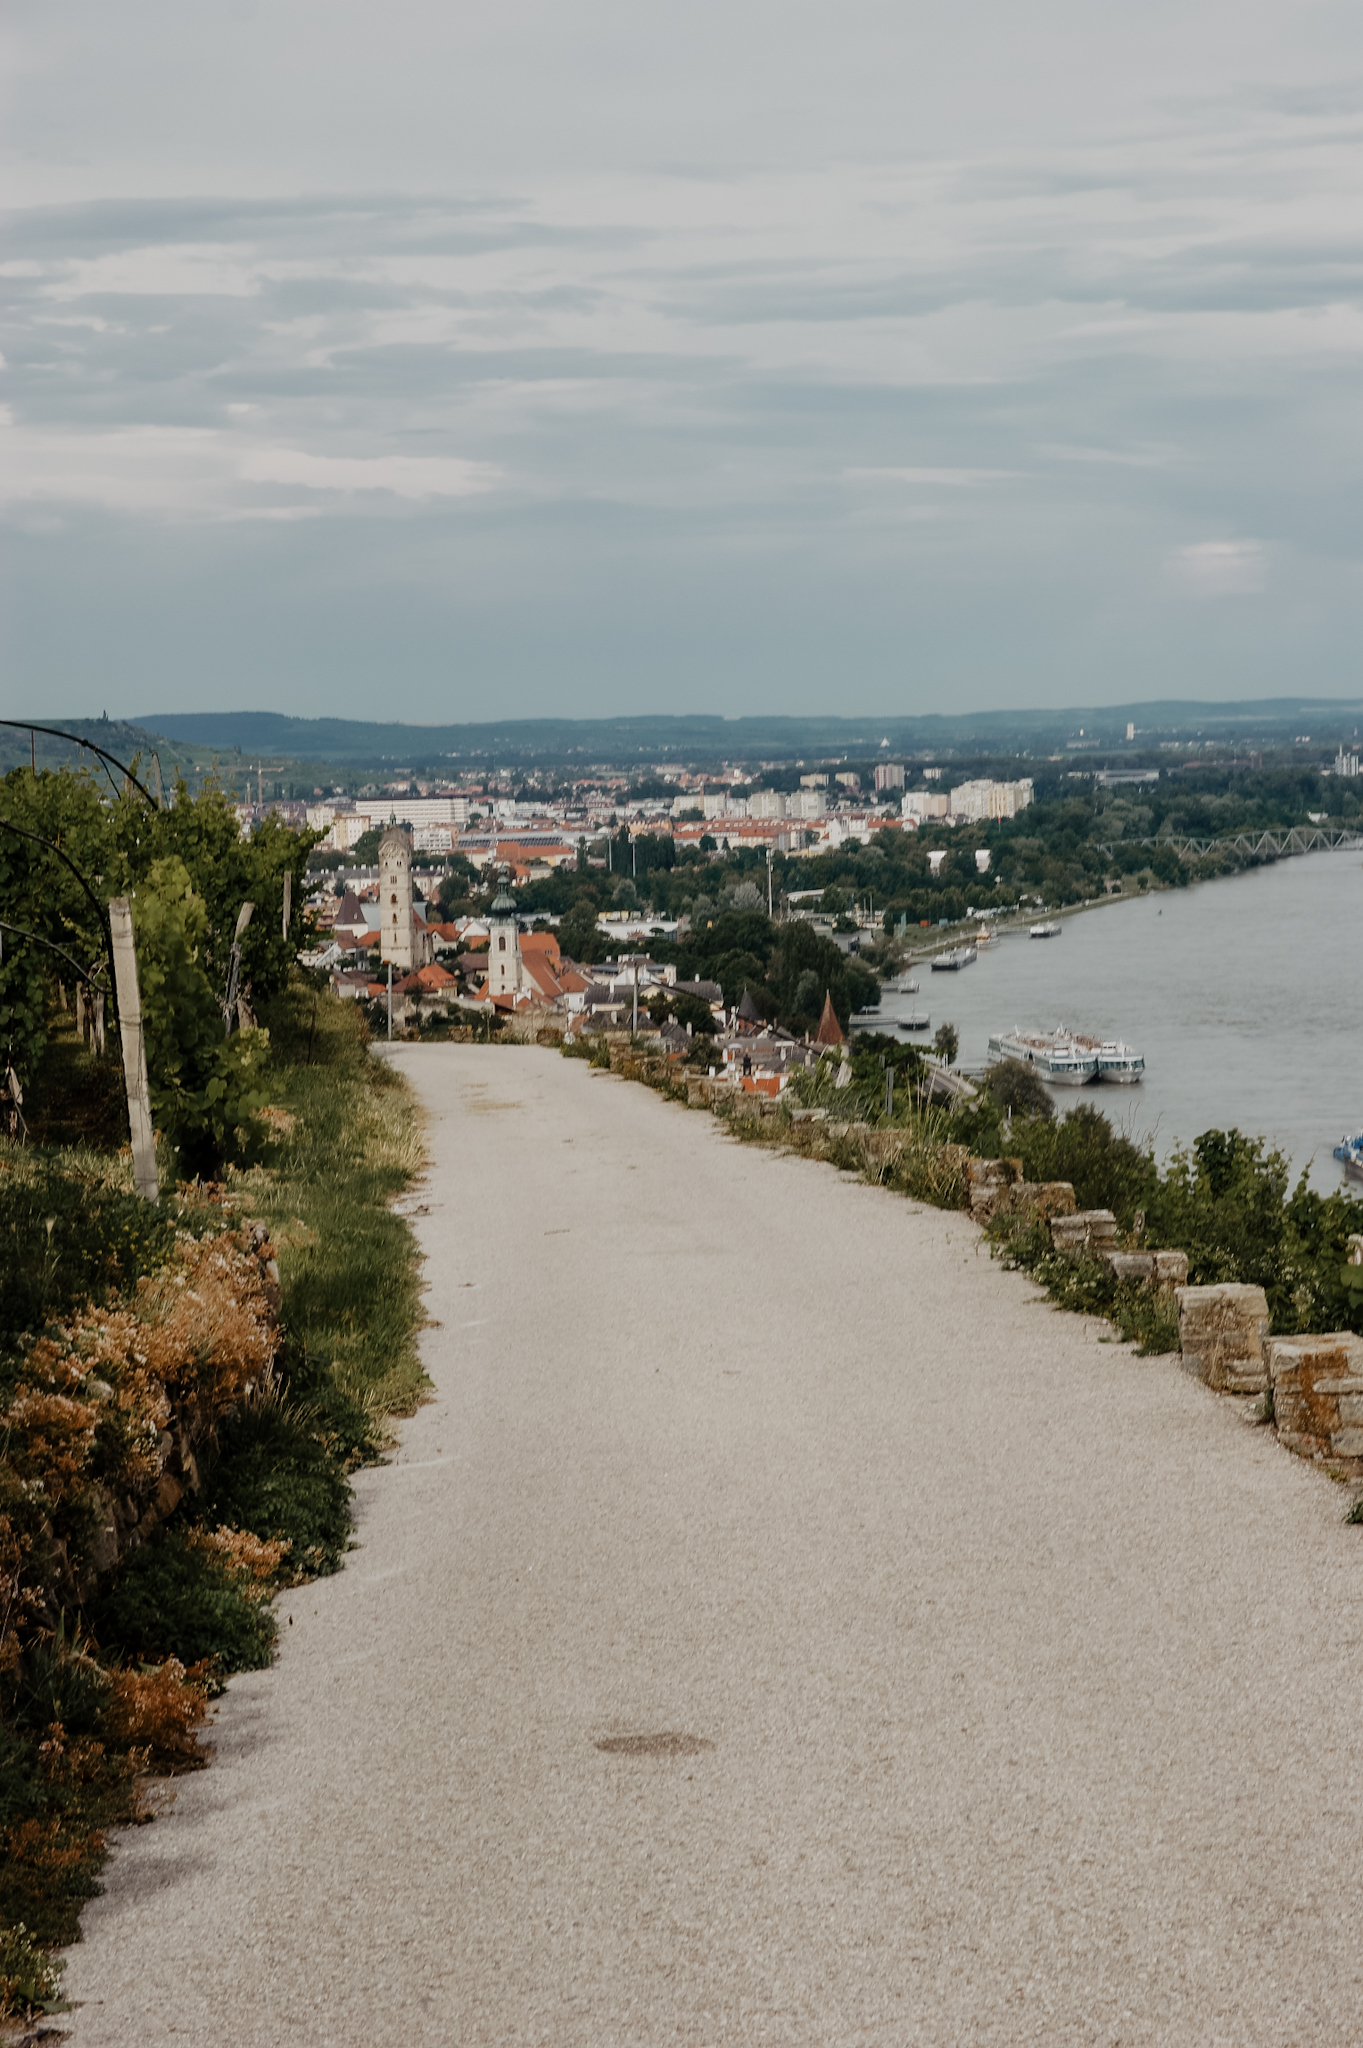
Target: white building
979,800
767,803
435,839
924,803
889,775
808,803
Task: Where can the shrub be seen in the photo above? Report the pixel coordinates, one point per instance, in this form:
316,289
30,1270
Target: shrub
1019,1089
158,1712
1107,1171
279,1478
179,1599
28,1977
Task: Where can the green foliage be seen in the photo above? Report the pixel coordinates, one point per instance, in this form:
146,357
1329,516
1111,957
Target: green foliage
67,1237
1108,1171
204,1087
1144,1316
947,1040
1019,1089
348,1265
177,1599
225,871
1225,1201
279,1476
29,1977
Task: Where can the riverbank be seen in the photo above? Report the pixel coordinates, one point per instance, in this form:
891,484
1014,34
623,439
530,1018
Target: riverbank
1238,996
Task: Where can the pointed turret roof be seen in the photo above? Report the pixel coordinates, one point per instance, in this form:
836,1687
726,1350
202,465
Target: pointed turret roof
829,1031
747,1009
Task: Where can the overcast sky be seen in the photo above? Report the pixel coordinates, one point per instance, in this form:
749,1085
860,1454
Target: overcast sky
448,362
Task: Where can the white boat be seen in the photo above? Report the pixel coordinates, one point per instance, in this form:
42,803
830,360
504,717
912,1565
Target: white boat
1049,928
918,1023
1058,1056
952,962
905,986
1070,1059
1119,1062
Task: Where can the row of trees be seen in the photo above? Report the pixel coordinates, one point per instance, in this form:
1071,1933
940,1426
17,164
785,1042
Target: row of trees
66,848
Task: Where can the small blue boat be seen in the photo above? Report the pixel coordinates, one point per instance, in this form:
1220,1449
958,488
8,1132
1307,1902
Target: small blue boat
1349,1153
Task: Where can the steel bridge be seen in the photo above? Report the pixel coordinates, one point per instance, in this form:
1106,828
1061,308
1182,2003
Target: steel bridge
1274,844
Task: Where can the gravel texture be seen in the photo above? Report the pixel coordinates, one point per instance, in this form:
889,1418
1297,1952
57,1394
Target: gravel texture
781,1626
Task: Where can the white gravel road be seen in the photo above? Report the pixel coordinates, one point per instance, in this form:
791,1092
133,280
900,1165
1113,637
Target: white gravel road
1019,1676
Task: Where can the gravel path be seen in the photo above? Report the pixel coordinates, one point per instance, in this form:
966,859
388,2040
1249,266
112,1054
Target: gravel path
1012,1680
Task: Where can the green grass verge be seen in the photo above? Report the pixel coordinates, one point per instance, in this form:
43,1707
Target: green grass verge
349,1268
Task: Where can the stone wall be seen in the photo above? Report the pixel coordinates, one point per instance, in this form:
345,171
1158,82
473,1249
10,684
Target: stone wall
1223,1334
1318,1393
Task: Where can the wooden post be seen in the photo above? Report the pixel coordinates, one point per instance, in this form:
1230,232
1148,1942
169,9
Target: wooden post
134,1049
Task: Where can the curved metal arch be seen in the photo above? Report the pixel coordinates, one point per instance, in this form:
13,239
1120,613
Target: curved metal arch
55,732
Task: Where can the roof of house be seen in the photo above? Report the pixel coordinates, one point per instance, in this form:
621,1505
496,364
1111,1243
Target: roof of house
829,1031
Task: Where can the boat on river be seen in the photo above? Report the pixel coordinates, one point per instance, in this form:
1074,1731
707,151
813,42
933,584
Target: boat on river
1058,1056
1070,1059
918,1022
1120,1062
954,961
905,986
1049,928
1349,1153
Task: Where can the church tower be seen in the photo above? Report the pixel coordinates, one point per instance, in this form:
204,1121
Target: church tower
395,899
504,972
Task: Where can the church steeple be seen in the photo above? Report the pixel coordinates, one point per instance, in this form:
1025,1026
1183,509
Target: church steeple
504,971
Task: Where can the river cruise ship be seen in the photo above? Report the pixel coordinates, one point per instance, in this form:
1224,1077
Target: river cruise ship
1049,928
952,962
1070,1059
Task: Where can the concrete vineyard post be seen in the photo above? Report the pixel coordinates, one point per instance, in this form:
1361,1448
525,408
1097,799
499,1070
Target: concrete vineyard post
134,1049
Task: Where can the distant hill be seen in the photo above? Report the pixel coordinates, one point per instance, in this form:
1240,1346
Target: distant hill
127,741
271,735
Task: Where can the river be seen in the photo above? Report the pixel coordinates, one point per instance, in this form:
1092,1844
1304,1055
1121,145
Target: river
1239,992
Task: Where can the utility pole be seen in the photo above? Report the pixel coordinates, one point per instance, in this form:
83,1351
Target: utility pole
770,859
134,1049
390,1002
634,1029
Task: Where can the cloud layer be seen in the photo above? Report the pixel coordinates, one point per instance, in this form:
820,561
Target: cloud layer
1036,411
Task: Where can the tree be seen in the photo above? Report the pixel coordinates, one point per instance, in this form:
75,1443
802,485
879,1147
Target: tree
1019,1089
947,1040
202,1083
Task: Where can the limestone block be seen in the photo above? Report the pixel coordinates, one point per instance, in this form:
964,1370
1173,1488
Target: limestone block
1223,1332
1027,1199
1318,1392
1149,1269
1085,1231
990,1173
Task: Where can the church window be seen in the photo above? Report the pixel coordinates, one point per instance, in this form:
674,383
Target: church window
501,942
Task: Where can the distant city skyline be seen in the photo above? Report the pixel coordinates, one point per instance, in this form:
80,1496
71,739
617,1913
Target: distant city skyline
587,361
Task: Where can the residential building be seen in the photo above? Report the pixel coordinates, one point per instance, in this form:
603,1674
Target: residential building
980,800
889,775
924,803
767,803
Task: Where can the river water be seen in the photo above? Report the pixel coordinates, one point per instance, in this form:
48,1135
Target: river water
1242,994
